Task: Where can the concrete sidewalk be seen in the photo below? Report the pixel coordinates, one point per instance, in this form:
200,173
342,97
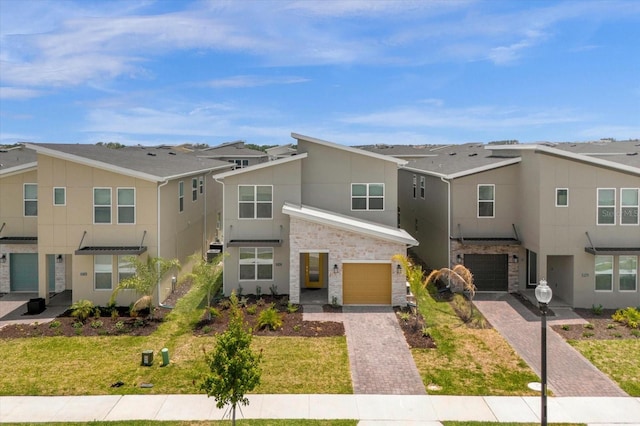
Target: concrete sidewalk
369,409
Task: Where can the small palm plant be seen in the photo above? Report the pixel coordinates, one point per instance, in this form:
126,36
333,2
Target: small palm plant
206,275
148,274
82,309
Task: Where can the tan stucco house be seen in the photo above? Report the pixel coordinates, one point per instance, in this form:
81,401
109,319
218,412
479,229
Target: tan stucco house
324,218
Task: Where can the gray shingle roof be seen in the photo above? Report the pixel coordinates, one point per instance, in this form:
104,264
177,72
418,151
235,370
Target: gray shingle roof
12,158
231,149
158,163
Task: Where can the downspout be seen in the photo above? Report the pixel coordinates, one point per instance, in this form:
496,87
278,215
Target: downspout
448,220
158,244
224,276
205,246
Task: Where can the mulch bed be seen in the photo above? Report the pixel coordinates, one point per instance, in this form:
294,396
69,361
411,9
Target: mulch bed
599,327
412,325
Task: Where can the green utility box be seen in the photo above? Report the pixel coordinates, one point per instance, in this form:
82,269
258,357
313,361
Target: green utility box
147,358
165,356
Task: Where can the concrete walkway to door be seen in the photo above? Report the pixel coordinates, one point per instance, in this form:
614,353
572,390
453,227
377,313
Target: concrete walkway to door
568,372
379,357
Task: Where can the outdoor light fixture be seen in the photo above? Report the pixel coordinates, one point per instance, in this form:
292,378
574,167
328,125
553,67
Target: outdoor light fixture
3,259
459,258
398,269
515,258
335,268
543,295
59,259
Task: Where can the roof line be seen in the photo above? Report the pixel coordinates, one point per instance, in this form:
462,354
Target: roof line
398,161
261,166
19,169
467,172
573,156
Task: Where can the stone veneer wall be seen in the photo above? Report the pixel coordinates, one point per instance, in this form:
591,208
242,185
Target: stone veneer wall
340,245
5,268
513,272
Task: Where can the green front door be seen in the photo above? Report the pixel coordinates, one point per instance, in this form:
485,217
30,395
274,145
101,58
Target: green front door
24,272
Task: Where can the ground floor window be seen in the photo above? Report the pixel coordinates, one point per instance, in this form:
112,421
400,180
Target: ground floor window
628,273
256,263
621,271
103,271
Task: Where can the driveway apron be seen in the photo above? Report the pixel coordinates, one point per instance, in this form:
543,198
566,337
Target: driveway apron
379,357
568,372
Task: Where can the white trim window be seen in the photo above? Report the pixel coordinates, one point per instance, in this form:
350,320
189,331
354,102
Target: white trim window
422,186
486,200
126,205
629,206
59,196
628,273
604,273
367,196
255,201
101,205
180,196
415,186
240,163
30,200
562,197
201,184
126,269
255,263
102,272
194,189
606,214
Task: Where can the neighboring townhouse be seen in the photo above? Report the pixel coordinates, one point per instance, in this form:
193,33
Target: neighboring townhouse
96,206
324,218
18,219
517,213
234,152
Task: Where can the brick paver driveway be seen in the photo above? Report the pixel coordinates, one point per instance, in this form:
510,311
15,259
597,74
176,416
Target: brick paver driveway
568,372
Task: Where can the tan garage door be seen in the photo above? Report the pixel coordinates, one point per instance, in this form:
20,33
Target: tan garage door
366,284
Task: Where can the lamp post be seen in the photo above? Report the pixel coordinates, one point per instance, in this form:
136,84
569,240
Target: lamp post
543,295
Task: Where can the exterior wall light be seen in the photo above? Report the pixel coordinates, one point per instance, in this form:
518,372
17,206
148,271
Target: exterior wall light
515,258
398,269
459,258
335,268
3,259
59,258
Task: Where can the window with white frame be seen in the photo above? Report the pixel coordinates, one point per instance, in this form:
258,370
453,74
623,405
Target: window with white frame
181,196
194,189
606,206
629,206
604,273
125,268
201,182
486,200
367,196
59,196
422,186
628,273
255,201
30,199
562,197
102,272
126,205
101,205
240,163
256,263
415,186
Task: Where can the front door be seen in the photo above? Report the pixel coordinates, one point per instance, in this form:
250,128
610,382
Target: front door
313,270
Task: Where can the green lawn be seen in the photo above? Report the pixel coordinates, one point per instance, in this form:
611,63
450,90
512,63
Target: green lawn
203,423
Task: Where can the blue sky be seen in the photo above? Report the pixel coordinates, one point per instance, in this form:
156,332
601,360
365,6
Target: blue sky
352,72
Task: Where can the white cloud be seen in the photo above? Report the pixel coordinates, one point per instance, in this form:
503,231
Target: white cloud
253,81
18,93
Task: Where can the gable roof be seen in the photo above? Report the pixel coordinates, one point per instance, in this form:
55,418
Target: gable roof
353,150
235,149
152,164
348,223
259,166
17,159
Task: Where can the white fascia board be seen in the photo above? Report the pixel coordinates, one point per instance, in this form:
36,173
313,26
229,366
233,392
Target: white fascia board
347,223
197,172
260,166
22,168
94,163
398,161
570,155
468,172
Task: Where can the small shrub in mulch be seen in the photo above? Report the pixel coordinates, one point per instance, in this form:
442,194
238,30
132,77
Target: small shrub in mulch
415,329
601,326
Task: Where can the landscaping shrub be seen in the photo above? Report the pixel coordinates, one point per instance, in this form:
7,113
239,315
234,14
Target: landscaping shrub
82,309
269,318
629,317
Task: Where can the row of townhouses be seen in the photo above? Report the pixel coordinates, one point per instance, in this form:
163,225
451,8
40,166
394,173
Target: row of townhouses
316,217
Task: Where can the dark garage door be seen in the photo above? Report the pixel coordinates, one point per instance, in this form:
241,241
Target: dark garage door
490,271
24,272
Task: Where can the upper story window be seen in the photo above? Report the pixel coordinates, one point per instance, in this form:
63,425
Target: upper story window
201,180
562,197
256,263
59,196
181,196
30,199
486,200
604,273
194,189
240,163
101,205
255,201
606,206
422,186
629,206
415,186
126,205
367,196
